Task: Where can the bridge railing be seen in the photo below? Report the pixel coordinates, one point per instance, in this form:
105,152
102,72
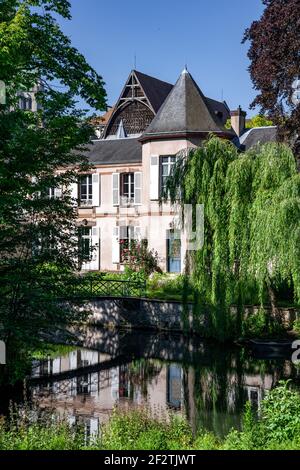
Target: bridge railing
89,287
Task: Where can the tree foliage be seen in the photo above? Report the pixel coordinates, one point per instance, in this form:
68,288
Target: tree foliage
251,224
275,63
256,121
39,150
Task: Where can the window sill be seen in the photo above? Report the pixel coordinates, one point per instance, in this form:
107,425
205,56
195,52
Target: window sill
127,206
85,205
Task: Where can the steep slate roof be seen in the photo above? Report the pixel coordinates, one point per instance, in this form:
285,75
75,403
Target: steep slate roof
155,90
186,111
119,151
258,135
219,108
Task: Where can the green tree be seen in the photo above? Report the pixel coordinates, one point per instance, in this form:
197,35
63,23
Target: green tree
39,150
252,229
274,42
256,121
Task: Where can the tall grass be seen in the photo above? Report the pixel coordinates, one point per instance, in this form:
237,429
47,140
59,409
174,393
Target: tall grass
277,427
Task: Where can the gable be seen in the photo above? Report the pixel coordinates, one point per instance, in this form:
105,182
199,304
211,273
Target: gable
139,101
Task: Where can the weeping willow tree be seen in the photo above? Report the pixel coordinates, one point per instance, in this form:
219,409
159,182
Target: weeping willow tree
251,227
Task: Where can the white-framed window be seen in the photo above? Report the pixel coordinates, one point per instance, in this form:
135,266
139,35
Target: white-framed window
127,235
127,188
86,190
86,242
89,248
52,193
166,164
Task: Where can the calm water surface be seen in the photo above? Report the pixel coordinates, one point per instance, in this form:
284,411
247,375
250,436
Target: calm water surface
207,383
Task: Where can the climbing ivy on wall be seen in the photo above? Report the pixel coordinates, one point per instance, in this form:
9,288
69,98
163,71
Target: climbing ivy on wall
251,226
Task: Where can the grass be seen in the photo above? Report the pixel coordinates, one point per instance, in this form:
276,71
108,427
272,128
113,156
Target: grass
277,427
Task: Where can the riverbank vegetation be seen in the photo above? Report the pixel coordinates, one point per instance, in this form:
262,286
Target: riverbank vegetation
277,426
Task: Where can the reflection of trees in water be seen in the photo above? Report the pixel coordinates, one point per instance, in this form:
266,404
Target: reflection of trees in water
141,372
215,393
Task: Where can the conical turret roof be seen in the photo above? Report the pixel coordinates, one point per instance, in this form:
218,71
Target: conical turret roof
185,111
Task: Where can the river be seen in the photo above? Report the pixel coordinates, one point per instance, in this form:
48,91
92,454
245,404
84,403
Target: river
206,382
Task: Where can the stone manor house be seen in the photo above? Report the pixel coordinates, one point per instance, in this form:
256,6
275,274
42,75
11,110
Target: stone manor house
135,146
137,143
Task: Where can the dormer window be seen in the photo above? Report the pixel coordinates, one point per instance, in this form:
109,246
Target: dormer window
219,114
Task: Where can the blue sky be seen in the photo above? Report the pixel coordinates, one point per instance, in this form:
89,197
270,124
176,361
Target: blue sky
164,35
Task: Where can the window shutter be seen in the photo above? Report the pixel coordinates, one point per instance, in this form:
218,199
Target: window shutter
154,177
95,261
115,246
96,189
116,188
137,188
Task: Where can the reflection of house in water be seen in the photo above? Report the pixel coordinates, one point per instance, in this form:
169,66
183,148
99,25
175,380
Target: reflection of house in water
174,387
90,397
256,386
86,385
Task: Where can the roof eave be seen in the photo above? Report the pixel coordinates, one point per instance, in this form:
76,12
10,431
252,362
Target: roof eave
184,134
118,163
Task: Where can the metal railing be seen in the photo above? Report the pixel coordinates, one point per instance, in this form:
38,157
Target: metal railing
90,287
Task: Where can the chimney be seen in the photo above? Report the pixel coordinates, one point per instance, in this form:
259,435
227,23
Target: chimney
238,121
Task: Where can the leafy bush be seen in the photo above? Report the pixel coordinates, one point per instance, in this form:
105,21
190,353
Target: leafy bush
277,427
297,326
136,276
137,256
280,413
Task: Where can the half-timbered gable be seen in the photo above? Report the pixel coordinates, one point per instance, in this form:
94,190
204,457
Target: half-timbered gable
141,98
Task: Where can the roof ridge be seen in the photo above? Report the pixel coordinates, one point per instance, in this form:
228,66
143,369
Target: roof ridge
151,76
244,136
